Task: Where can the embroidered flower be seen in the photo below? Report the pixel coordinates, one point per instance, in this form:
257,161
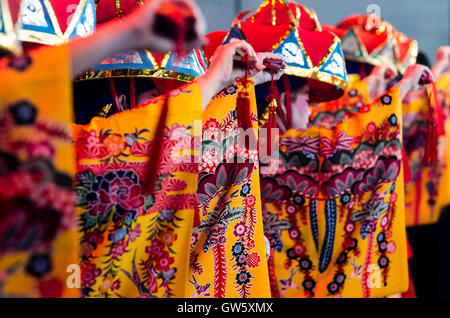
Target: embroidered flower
342,258
371,128
115,285
350,244
94,237
290,253
250,201
119,249
86,249
390,247
381,237
305,264
386,99
291,209
309,284
155,250
253,260
345,198
23,113
39,265
299,200
194,239
107,283
240,229
168,237
299,249
130,139
394,197
382,246
166,215
349,227
333,287
393,120
164,262
118,235
245,190
212,124
134,233
294,234
251,244
384,221
241,260
115,144
237,249
353,92
383,262
243,277
89,274
170,274
365,109
231,90
119,188
339,278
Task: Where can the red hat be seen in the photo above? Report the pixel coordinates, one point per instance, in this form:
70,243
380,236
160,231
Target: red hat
293,32
406,51
54,22
212,41
366,39
110,10
9,14
142,63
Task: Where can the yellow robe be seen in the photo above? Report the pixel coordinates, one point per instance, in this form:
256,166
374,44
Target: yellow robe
334,207
443,88
38,233
421,193
134,244
228,255
355,97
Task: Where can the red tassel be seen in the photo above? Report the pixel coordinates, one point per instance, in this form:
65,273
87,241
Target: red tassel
272,123
197,220
132,93
407,174
112,87
430,155
243,111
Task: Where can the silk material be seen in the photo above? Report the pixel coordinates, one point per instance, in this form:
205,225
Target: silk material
334,207
38,232
135,244
228,255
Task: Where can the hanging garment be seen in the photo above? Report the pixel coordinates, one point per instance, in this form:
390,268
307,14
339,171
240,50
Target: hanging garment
443,91
334,207
422,191
135,244
228,254
38,232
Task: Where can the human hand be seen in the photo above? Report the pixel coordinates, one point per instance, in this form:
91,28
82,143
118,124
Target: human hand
379,79
266,76
143,24
413,79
